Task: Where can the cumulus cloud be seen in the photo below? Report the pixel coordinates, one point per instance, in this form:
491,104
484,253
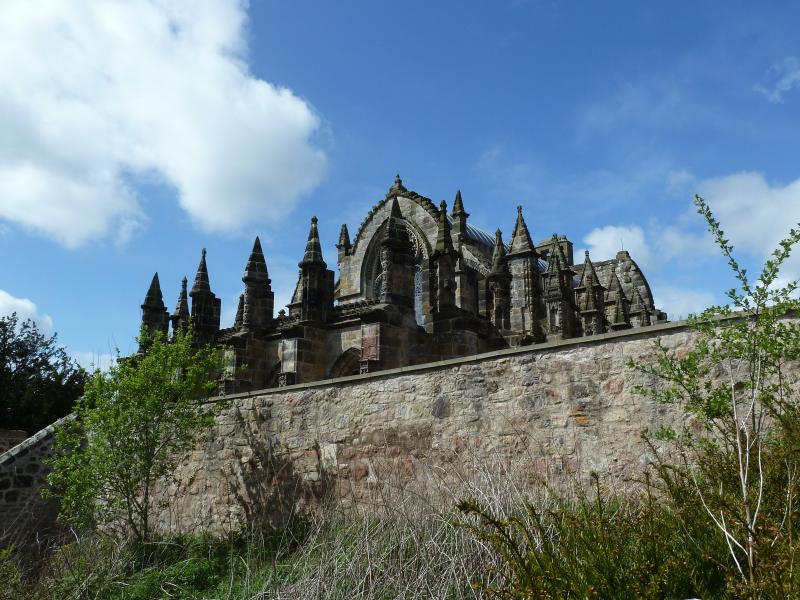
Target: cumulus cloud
781,78
25,309
754,213
94,94
605,242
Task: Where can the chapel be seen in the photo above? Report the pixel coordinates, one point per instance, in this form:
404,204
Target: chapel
416,284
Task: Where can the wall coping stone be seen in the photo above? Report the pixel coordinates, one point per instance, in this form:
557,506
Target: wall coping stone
10,455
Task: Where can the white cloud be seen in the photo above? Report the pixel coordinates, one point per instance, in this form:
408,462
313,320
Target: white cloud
605,242
754,214
781,77
94,94
679,302
25,309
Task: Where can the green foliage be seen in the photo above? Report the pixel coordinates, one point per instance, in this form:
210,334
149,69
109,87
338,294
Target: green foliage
39,382
598,547
131,428
739,453
10,580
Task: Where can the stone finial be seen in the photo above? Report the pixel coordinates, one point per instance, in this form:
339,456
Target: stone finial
154,297
398,185
458,206
313,253
201,282
181,315
344,239
589,277
521,238
499,263
444,241
256,269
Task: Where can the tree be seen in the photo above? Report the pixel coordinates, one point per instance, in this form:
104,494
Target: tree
741,460
39,382
130,429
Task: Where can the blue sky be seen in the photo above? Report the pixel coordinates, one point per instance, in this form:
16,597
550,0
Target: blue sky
135,133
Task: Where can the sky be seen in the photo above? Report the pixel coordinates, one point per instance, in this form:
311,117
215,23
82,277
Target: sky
136,132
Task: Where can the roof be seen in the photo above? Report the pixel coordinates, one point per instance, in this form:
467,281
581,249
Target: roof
478,235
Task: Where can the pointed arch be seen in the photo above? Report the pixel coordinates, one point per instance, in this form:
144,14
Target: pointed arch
348,363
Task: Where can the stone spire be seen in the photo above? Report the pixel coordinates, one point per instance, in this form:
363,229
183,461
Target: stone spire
344,239
592,309
313,253
526,286
498,286
256,268
459,219
397,260
521,239
499,262
201,282
315,287
443,262
559,294
620,319
155,317
444,241
180,318
458,205
206,307
258,300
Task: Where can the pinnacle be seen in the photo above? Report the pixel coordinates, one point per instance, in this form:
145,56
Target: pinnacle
256,269
313,253
154,297
444,242
458,206
589,277
344,238
499,265
521,238
182,308
201,283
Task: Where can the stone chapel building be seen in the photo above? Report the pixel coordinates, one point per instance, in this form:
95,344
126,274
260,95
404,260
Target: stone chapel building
416,285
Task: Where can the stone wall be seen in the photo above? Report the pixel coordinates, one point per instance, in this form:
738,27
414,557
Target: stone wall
554,411
22,476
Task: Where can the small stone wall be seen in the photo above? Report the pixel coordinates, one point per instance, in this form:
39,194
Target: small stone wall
23,474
